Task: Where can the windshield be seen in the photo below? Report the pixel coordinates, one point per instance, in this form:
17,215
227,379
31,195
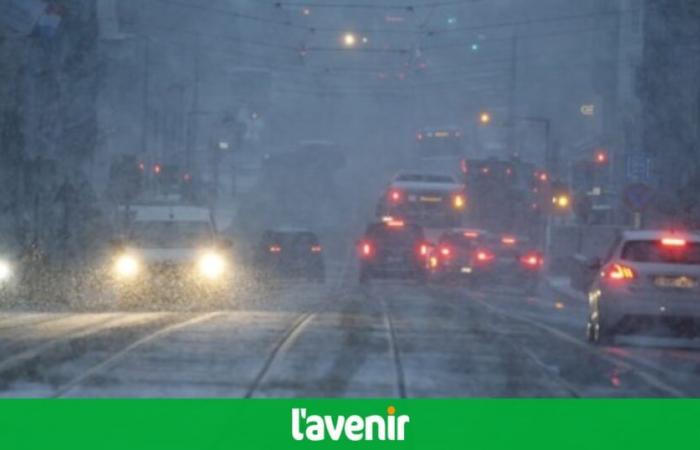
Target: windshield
655,252
170,234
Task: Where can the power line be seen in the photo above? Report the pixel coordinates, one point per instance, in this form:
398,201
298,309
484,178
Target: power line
407,8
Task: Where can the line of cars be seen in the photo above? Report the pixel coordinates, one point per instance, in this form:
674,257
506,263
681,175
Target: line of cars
419,235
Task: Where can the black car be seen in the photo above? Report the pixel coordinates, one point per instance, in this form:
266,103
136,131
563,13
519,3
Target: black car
455,254
508,260
393,249
290,253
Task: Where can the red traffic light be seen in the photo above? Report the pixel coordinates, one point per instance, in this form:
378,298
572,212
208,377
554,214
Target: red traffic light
601,156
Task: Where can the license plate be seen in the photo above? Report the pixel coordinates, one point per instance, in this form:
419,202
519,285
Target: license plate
394,259
675,282
426,199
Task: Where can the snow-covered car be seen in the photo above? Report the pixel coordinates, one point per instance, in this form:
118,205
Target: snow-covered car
648,276
430,200
170,252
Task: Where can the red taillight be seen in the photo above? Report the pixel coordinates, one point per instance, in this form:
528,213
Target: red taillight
445,251
484,256
423,250
396,196
471,234
618,272
395,223
532,260
673,242
316,249
366,249
275,249
464,166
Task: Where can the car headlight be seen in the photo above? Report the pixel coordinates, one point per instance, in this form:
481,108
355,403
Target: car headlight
5,270
211,265
127,266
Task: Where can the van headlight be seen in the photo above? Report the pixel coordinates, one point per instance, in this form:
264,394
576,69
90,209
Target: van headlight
127,266
5,270
211,265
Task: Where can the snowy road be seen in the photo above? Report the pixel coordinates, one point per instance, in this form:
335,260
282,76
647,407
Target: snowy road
391,339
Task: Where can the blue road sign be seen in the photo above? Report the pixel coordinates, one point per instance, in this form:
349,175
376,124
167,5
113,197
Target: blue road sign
638,168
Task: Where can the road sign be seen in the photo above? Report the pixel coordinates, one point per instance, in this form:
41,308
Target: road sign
637,196
638,168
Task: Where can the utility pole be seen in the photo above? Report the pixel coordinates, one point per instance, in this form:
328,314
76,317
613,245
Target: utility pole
193,125
512,88
145,117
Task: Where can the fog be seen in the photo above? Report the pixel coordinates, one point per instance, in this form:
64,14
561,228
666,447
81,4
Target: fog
559,124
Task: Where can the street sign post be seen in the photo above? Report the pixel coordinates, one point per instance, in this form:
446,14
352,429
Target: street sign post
637,197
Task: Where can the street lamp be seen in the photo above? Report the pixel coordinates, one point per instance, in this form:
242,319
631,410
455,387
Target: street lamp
485,118
349,40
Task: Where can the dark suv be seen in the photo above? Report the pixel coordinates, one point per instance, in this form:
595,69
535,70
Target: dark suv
392,249
290,253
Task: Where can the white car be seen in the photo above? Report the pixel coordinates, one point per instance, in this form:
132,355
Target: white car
170,251
648,277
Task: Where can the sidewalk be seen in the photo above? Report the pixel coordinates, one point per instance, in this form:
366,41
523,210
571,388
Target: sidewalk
562,286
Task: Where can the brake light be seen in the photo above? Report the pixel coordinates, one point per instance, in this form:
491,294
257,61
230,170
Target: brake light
445,251
423,250
508,240
395,196
618,272
532,260
471,234
366,249
458,201
395,223
484,256
275,249
316,249
673,242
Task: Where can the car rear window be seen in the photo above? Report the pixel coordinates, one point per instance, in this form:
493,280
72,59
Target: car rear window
425,178
406,235
655,252
292,239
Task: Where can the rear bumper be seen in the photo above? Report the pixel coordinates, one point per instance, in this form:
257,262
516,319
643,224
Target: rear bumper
615,308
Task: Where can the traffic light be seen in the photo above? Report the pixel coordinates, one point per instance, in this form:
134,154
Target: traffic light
601,156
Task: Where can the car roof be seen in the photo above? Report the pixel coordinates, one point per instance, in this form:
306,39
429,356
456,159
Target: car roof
655,235
150,213
373,225
289,230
